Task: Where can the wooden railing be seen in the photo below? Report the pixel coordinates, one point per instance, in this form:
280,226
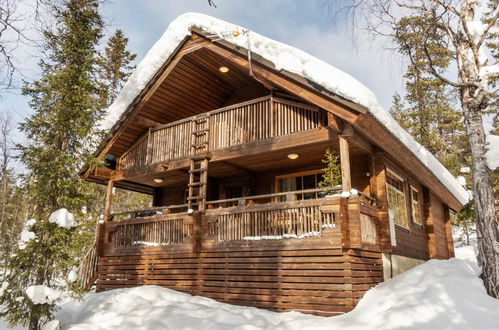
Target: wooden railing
159,230
253,218
87,271
296,219
247,122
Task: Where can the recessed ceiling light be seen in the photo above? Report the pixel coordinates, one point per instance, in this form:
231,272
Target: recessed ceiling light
224,69
293,156
158,180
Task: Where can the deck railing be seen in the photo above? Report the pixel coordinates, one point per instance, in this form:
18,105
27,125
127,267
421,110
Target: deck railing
158,230
247,122
296,219
261,217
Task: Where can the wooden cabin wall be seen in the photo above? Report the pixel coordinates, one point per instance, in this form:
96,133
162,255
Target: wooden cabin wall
412,242
247,93
438,223
359,169
169,196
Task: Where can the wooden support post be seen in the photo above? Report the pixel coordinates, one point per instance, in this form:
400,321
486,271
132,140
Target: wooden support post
108,200
346,181
197,218
344,225
448,232
428,219
378,183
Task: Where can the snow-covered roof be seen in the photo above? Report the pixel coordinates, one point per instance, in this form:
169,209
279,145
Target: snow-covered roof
283,57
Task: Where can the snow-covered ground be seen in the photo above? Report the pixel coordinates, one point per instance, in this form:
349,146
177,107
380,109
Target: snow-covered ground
439,294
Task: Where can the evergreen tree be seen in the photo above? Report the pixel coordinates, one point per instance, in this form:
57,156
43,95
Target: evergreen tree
399,112
331,176
115,65
430,116
67,102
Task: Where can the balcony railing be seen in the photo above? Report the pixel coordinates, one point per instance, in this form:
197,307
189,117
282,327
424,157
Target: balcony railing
254,218
255,120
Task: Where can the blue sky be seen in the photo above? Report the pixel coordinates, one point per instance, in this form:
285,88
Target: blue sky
303,24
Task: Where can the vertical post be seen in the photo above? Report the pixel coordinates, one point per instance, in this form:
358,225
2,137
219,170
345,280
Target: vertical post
379,186
428,219
448,232
346,181
108,200
149,147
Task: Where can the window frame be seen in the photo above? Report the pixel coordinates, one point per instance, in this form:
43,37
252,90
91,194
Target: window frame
418,208
277,186
402,193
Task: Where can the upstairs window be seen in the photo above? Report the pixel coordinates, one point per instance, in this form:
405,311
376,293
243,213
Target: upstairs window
396,199
416,206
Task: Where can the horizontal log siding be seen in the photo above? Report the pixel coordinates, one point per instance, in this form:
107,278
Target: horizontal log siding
317,281
319,274
247,122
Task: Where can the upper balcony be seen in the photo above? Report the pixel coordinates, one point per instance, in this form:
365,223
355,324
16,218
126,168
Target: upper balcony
256,120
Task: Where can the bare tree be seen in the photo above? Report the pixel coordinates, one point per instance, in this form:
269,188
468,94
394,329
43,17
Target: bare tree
5,158
465,30
11,35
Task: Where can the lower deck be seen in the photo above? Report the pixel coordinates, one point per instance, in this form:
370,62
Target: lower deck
319,281
316,255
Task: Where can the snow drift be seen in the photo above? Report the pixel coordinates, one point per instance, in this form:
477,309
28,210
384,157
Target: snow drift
439,294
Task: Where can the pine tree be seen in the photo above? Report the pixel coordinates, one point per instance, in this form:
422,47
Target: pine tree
430,116
331,176
399,112
67,102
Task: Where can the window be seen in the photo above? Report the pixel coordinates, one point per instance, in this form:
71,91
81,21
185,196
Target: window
300,181
415,206
233,192
396,199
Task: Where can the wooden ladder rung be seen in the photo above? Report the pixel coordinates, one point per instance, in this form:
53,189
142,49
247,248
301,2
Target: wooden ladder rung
197,170
199,144
196,184
195,198
200,157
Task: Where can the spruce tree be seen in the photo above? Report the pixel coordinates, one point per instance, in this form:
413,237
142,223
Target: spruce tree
331,175
115,65
67,102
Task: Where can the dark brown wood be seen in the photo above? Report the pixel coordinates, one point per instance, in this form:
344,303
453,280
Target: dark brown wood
314,281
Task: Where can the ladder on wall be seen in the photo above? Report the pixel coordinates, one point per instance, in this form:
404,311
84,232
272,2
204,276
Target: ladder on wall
198,171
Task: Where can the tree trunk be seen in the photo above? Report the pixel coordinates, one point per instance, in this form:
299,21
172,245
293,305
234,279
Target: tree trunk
483,197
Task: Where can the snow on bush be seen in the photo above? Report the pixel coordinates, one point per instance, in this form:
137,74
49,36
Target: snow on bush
27,235
439,294
42,294
63,218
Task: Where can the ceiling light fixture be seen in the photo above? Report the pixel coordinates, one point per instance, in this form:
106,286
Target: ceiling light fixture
224,69
293,156
158,180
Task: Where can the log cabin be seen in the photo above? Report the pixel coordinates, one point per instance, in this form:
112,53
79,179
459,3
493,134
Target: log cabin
227,130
